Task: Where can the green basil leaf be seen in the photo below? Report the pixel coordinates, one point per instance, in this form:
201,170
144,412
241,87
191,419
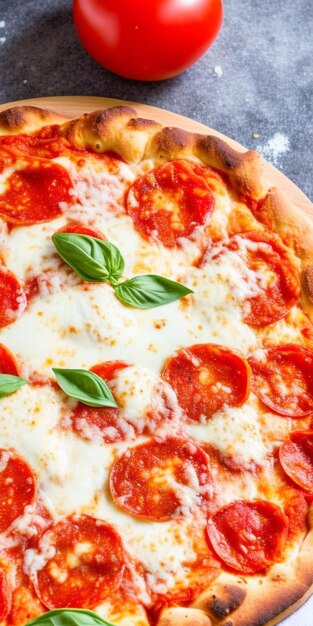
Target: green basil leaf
68,617
84,386
150,290
9,384
94,260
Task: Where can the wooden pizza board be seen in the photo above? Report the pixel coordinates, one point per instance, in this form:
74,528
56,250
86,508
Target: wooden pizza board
74,106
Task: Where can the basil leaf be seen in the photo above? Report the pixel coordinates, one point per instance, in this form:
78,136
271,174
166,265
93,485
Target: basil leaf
68,617
94,260
150,290
84,386
9,384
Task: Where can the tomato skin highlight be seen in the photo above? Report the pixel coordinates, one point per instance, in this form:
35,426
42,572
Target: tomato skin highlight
147,40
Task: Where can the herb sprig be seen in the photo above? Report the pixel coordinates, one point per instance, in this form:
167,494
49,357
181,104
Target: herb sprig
95,260
68,617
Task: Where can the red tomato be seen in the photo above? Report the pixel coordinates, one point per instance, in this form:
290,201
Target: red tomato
147,39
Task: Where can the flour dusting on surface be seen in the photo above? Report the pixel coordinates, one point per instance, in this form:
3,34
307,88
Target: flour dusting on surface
274,148
2,23
218,71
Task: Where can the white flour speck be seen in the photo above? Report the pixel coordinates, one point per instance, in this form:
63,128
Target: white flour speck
218,71
274,148
2,40
2,23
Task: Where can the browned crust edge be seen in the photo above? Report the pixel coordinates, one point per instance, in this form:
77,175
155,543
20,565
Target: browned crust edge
261,601
231,600
26,119
119,129
296,230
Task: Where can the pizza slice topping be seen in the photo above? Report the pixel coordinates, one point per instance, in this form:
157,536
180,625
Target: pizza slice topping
198,568
248,535
104,423
205,377
84,563
35,193
17,487
5,595
275,286
12,298
80,229
171,200
282,378
99,261
296,457
7,362
161,480
45,143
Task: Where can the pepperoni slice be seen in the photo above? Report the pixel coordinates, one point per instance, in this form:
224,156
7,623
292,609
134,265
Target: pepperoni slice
248,536
207,376
86,566
45,143
296,457
80,229
12,298
33,194
159,479
282,378
7,362
5,595
17,487
100,423
277,284
171,200
296,509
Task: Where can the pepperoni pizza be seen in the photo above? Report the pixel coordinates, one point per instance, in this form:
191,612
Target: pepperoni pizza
156,376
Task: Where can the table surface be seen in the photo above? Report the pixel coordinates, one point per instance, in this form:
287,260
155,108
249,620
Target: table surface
256,79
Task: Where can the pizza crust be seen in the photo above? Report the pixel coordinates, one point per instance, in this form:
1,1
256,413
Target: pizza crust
261,601
119,129
232,600
26,119
295,228
178,616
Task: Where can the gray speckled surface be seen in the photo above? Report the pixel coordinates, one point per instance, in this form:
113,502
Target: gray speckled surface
257,77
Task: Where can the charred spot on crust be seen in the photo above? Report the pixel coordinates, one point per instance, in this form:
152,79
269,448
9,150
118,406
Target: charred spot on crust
171,141
15,118
220,152
307,281
12,118
97,120
140,123
228,599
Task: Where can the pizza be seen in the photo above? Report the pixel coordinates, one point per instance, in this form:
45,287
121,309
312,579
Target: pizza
156,377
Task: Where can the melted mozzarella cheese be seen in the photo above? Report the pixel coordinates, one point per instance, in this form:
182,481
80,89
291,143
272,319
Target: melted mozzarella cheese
94,326
235,431
30,251
141,393
123,613
81,325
